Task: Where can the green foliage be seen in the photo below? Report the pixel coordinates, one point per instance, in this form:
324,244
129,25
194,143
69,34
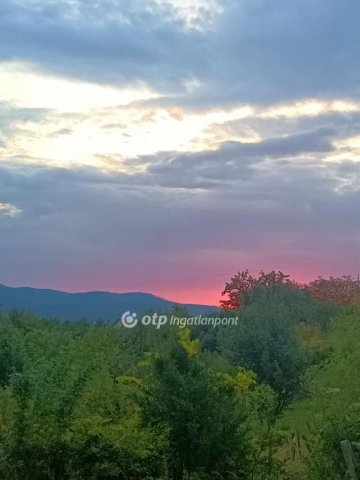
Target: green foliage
100,402
267,341
205,419
242,284
64,413
331,411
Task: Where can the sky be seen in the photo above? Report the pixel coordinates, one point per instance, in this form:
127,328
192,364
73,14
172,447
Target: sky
164,145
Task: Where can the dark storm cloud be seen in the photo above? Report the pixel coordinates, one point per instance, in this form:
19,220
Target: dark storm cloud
256,51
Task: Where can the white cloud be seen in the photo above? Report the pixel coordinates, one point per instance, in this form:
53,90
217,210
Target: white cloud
92,136
25,87
8,209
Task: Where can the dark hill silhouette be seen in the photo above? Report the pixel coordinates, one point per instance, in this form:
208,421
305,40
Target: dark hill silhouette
92,306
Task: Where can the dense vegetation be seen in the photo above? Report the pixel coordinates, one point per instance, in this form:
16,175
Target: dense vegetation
270,398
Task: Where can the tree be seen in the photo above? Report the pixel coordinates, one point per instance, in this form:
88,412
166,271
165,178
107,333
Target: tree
339,291
204,418
242,284
267,342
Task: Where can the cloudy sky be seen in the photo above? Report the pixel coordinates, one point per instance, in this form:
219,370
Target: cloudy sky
162,145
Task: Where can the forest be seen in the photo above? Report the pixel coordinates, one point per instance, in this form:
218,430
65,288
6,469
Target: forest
269,399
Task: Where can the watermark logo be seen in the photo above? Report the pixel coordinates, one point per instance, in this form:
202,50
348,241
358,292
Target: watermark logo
129,320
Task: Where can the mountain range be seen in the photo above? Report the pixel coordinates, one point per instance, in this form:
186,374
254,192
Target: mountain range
92,306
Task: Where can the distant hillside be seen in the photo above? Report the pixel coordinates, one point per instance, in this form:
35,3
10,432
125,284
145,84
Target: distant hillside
90,305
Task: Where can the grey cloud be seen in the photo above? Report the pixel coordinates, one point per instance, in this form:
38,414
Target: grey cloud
256,51
74,219
344,124
60,132
11,116
109,50
274,199
232,161
283,50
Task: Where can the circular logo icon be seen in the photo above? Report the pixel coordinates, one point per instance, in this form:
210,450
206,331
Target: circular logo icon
129,320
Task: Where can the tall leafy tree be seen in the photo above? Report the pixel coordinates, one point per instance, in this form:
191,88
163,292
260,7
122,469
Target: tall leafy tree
243,283
204,419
